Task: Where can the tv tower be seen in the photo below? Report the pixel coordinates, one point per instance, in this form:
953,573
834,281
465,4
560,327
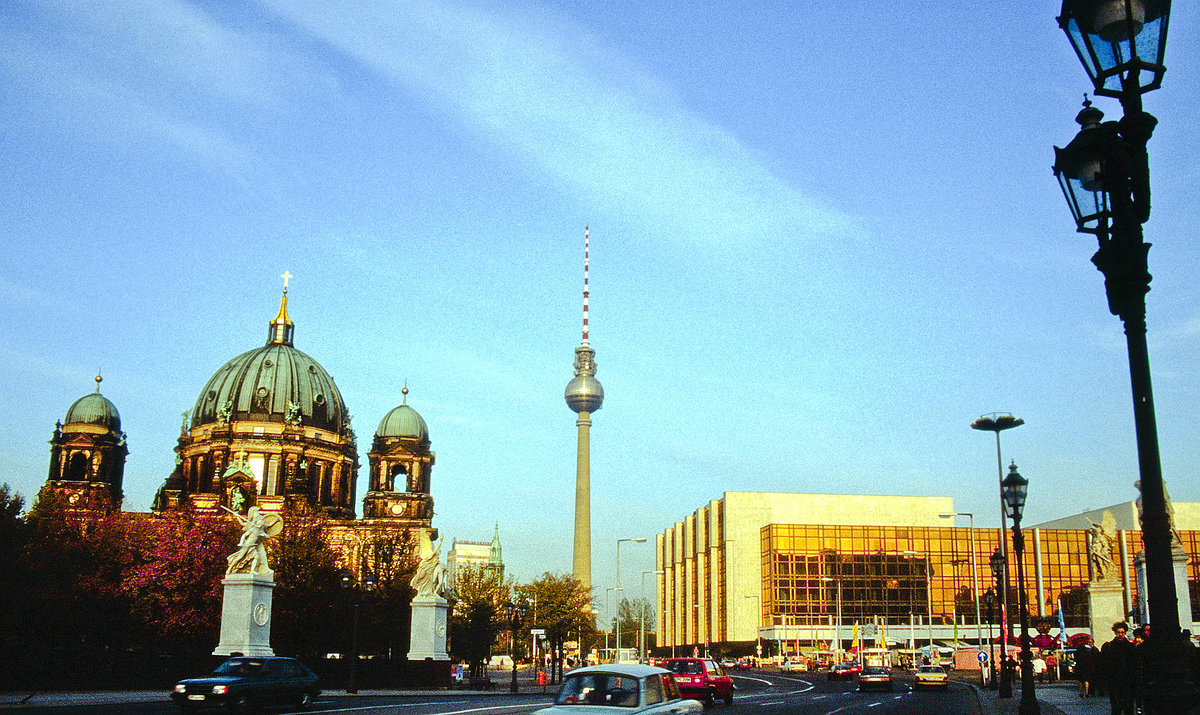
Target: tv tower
584,396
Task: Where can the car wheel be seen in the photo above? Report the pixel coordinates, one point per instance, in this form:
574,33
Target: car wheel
729,698
306,701
709,699
241,705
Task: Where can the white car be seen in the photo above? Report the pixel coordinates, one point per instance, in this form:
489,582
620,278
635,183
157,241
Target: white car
612,689
793,666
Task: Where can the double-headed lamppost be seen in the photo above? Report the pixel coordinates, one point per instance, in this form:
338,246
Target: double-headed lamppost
354,589
1105,176
1000,573
1015,489
636,540
516,616
838,628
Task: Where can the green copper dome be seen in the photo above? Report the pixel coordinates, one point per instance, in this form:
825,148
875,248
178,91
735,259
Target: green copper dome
94,409
274,383
404,422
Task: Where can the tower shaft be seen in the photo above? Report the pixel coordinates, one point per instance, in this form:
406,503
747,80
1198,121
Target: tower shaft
582,562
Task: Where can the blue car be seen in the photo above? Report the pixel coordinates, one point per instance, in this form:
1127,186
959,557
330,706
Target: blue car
244,684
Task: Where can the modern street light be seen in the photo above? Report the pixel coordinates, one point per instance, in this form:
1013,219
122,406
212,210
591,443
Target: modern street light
354,595
974,581
928,598
838,628
608,615
758,649
1105,176
642,615
1000,572
636,540
1015,489
998,422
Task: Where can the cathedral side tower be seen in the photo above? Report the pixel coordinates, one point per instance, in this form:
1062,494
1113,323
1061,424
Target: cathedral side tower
87,455
400,467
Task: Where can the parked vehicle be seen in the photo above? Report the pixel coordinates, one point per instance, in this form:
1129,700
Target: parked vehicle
875,677
932,676
611,689
794,665
701,678
243,684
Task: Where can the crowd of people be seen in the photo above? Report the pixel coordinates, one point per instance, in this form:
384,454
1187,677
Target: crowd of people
1116,669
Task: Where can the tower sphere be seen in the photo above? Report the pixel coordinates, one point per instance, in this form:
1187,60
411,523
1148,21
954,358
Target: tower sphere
584,394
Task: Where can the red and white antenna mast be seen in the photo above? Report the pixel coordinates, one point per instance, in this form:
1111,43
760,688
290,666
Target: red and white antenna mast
585,286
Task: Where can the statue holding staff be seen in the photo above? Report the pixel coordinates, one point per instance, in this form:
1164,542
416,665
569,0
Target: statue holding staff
251,556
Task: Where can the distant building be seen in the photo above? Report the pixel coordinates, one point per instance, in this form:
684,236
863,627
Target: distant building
483,554
780,567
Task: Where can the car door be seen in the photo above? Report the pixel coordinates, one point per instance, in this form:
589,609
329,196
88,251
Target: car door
660,695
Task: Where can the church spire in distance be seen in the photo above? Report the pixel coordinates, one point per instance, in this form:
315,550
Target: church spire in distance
584,396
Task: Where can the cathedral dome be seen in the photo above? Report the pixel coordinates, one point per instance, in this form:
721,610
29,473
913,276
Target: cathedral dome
274,383
403,422
94,409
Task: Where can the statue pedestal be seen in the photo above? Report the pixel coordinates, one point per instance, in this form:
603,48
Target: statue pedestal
427,640
246,615
1183,599
1106,606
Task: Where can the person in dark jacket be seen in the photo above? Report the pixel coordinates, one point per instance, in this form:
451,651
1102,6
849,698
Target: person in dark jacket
1086,656
1120,664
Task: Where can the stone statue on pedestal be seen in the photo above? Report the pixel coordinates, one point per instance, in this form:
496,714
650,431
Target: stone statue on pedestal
427,639
249,584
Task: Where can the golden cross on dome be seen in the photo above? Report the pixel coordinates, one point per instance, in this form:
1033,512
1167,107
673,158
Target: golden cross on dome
285,276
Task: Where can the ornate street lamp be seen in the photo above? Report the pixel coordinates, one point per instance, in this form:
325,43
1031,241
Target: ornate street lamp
516,616
354,589
990,599
1000,572
1105,176
1015,489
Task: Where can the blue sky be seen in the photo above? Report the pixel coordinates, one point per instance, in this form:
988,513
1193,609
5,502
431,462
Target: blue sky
822,245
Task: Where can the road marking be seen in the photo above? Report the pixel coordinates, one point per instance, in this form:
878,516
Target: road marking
757,680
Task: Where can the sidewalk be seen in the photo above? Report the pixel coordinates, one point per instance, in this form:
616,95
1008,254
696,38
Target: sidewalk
1061,698
17,700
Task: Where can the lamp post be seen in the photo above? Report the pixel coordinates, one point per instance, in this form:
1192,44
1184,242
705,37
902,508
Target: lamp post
354,590
608,615
757,624
1015,489
642,616
837,637
516,616
928,599
1105,177
636,540
999,570
990,597
974,581
998,422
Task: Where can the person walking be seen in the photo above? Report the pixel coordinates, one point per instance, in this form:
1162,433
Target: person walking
1119,662
1085,667
1052,666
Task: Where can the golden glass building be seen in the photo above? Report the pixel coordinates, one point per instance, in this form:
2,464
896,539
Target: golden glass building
770,566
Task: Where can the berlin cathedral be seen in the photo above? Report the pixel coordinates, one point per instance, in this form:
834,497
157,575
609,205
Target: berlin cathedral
269,429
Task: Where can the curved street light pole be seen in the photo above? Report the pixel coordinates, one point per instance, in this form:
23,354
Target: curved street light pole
636,540
975,583
642,615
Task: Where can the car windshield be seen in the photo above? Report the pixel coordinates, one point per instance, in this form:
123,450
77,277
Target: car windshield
685,667
599,689
931,669
239,666
875,671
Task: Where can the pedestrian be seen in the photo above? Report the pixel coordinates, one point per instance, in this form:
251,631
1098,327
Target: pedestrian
1119,662
1085,667
1052,666
1039,668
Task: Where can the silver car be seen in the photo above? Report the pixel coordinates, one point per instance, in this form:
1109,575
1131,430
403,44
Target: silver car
611,689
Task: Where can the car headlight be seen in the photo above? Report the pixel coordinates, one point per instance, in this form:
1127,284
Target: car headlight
181,688
220,689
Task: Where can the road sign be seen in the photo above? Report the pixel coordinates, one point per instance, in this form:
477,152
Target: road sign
982,657
758,649
537,631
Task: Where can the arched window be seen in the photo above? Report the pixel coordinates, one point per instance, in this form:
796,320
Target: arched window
399,479
78,470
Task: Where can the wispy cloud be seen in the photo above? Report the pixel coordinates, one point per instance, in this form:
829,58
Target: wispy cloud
577,111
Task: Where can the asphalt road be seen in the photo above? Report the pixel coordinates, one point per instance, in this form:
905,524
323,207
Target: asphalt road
758,692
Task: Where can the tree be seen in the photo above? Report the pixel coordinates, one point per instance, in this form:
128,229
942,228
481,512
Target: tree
391,562
563,608
309,607
13,540
475,613
629,619
176,588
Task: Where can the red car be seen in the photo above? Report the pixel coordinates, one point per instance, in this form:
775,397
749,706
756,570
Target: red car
845,671
701,678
